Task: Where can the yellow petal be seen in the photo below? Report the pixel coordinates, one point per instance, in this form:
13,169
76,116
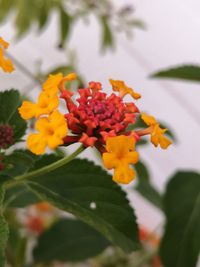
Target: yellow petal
110,160
158,138
3,43
46,104
123,174
27,110
123,89
149,120
51,84
120,144
54,141
5,64
36,143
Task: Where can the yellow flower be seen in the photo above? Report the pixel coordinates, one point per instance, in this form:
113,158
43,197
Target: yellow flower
45,105
157,133
120,154
51,130
54,82
123,89
5,64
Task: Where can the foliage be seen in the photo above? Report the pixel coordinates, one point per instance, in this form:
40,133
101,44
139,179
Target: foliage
182,231
183,72
69,12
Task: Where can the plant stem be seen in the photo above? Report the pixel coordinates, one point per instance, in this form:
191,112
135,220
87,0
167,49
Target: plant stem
22,178
24,69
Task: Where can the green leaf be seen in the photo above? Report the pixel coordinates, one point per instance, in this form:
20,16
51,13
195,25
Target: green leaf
89,193
107,36
185,72
65,25
9,103
72,241
20,196
144,186
3,231
181,242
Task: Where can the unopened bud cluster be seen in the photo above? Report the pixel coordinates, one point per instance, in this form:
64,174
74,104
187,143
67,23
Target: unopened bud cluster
6,136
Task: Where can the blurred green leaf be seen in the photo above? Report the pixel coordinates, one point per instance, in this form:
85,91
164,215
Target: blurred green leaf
65,25
72,241
107,36
5,8
185,72
44,12
181,242
3,231
9,103
145,187
89,193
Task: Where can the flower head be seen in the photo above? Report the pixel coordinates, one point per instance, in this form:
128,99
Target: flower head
51,131
95,116
156,132
5,64
120,154
95,119
123,89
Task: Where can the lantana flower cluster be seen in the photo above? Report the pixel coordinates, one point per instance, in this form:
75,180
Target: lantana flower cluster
94,119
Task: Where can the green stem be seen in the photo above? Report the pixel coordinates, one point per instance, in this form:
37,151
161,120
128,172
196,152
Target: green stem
22,178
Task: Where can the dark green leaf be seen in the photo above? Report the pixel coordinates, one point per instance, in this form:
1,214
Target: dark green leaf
20,196
9,103
3,231
79,186
19,162
145,187
185,72
181,243
72,241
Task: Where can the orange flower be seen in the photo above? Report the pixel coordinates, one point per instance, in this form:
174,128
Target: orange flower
156,132
119,156
5,64
123,89
51,130
56,82
45,105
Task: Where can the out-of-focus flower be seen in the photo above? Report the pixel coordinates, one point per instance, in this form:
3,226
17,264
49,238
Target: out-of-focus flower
156,132
119,156
52,130
43,207
5,64
35,224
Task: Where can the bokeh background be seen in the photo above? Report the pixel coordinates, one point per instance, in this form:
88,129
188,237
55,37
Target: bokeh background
170,37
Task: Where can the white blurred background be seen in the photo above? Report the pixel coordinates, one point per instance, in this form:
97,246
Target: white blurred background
171,38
